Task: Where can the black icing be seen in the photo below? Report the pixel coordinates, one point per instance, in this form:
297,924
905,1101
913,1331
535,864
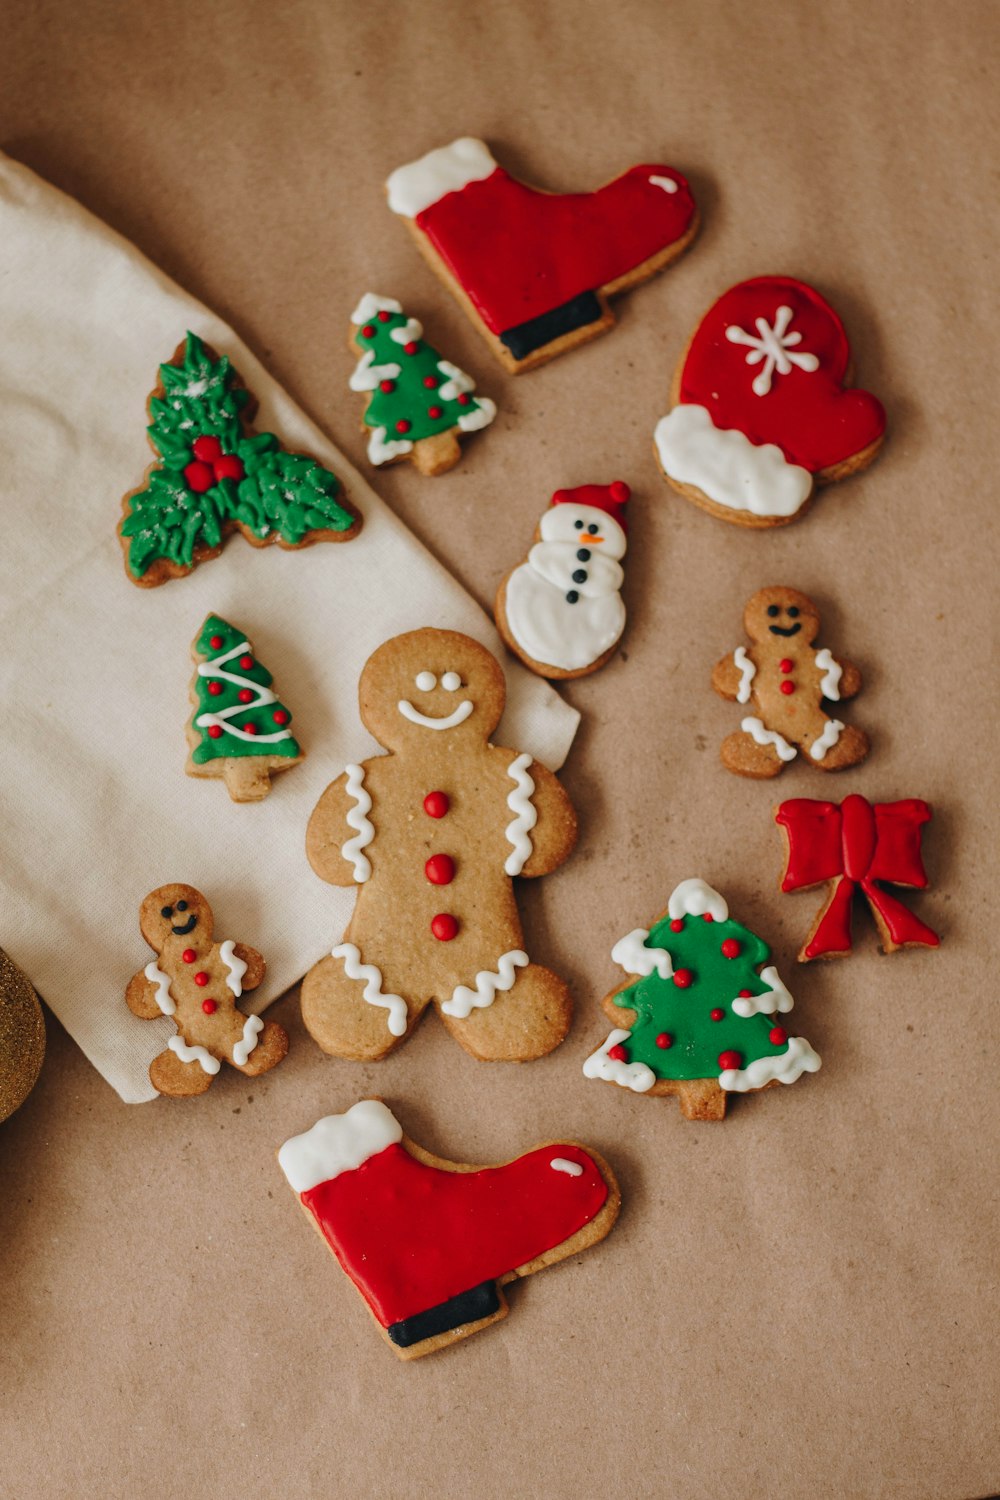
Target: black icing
572,596
467,1307
784,630
578,312
584,553
187,926
580,575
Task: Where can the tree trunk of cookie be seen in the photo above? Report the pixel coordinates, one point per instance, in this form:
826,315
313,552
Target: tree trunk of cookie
247,777
702,1099
437,454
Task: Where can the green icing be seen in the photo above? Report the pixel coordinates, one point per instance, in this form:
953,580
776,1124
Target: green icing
287,494
411,398
229,744
685,1014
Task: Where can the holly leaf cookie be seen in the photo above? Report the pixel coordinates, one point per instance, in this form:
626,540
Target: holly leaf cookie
535,270
696,1015
430,1244
214,474
761,414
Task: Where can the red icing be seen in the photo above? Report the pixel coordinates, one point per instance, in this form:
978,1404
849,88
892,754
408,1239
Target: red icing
618,1053
778,1036
402,425
207,448
215,688
198,476
677,925
718,1015
209,1007
732,948
189,955
730,1060
856,844
444,926
664,1040
436,804
245,695
201,978
246,662
788,687
229,467
215,642
214,730
281,716
682,978
518,252
808,414
411,1235
440,869
387,386
785,664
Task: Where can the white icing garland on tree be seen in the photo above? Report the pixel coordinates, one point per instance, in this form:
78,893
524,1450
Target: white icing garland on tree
213,670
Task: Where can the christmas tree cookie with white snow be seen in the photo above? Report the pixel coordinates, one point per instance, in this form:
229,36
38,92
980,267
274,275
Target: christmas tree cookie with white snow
561,610
696,1014
418,403
214,474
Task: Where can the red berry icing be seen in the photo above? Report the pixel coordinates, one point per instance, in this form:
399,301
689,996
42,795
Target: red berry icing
730,1060
778,1035
787,687
411,347
199,477
215,688
464,398
444,926
403,425
368,332
215,642
618,1053
440,869
664,1040
717,1014
436,804
683,978
229,467
706,916
430,381
677,925
281,716
249,729
435,411
387,386
189,955
785,664
201,978
246,662
209,1007
214,731
732,948
384,316
207,448
245,695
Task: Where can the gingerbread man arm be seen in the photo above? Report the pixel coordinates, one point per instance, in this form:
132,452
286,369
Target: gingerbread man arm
726,677
256,967
850,679
329,831
554,834
140,997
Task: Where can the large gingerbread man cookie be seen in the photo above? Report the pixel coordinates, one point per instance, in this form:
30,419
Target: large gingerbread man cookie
433,833
197,982
787,681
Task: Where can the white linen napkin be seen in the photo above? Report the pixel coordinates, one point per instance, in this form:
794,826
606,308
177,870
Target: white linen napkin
95,807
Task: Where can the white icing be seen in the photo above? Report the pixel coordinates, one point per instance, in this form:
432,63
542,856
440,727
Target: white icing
447,170
457,382
426,721
214,669
357,818
696,898
382,449
525,816
252,1028
163,996
209,1064
631,1075
772,347
632,955
747,674
451,682
486,986
727,467
373,994
371,304
237,967
832,731
786,1067
666,183
563,1164
367,373
409,333
832,673
755,728
426,682
775,997
480,415
338,1143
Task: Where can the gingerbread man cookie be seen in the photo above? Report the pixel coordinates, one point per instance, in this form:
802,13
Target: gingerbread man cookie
433,833
197,983
787,681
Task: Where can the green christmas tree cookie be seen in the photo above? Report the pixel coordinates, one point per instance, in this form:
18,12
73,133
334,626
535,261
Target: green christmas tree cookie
696,1015
418,402
239,729
214,474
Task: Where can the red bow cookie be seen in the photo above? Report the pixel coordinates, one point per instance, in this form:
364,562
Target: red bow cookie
761,414
535,269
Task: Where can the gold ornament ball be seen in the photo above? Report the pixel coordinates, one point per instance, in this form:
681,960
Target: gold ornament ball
22,1037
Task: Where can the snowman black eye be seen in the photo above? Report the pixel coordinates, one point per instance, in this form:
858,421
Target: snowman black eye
793,613
182,906
773,609
578,525
166,911
592,529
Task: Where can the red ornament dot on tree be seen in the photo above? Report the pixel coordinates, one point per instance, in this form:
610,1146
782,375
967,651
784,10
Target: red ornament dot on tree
384,315
387,386
411,347
403,425
744,994
677,925
778,1036
280,716
246,662
436,804
249,728
207,448
201,978
245,695
464,399
706,916
787,687
189,955
618,1053
444,926
215,688
368,331
199,477
215,642
209,1007
683,978
730,1060
430,381
229,467
440,869
732,948
664,1040
214,730
718,1015
435,411
785,664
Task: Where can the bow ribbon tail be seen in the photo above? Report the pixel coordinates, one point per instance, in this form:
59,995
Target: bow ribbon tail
832,930
898,926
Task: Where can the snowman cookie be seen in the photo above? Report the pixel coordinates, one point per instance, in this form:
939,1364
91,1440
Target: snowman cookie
432,833
787,681
197,982
760,412
561,610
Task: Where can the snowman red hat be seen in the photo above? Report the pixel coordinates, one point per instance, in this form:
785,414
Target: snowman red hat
610,498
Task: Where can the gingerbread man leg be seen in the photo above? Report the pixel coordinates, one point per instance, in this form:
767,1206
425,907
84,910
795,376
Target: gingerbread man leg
179,1080
527,1021
743,754
272,1045
352,1017
852,746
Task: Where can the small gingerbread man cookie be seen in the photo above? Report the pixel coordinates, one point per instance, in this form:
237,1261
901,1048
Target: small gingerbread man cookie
787,681
197,982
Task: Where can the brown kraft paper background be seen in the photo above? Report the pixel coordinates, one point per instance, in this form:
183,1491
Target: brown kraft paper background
800,1302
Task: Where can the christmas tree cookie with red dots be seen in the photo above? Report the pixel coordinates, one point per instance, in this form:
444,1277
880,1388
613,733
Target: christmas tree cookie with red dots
238,730
418,403
696,1015
215,474
787,681
196,982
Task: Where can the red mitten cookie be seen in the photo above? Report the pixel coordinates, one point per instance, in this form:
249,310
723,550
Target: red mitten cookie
534,270
430,1243
760,413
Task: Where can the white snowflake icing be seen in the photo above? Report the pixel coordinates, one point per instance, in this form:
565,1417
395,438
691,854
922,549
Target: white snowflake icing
772,345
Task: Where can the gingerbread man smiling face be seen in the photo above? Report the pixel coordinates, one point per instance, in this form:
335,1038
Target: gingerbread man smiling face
449,687
788,681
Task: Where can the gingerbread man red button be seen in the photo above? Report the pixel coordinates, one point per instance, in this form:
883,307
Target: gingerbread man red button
440,869
436,804
444,926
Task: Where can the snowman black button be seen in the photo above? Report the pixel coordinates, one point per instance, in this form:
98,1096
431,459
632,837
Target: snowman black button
572,596
580,575
583,555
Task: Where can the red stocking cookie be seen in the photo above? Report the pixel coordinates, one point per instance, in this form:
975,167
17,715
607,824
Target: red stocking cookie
787,681
760,413
432,833
197,982
430,1243
534,270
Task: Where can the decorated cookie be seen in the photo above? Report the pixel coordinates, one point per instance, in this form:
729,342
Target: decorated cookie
238,729
22,1037
534,270
787,681
418,403
760,411
430,1244
197,982
215,474
432,833
561,610
697,1015
856,845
